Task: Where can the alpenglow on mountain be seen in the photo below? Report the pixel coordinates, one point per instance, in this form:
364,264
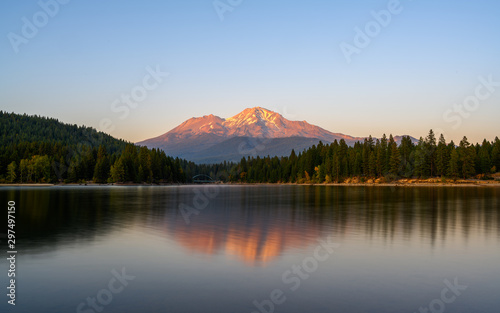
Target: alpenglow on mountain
252,132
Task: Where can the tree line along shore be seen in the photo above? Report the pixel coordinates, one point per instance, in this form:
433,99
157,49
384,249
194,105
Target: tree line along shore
373,161
36,150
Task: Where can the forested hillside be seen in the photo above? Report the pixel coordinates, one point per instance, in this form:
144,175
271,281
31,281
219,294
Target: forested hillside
38,149
15,129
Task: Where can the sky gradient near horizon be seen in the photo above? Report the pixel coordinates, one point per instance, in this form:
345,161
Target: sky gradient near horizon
411,74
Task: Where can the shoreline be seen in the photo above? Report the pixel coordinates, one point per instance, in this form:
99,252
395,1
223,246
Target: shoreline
471,183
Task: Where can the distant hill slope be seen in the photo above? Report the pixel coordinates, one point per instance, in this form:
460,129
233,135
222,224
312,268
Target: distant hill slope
16,128
233,149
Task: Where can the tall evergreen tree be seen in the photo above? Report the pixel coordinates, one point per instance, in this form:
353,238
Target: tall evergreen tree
395,160
372,172
145,166
101,170
380,159
495,154
430,154
483,160
467,156
442,157
383,155
453,165
405,149
420,159
365,164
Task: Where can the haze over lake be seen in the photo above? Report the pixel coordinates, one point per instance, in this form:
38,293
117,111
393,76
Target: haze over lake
358,249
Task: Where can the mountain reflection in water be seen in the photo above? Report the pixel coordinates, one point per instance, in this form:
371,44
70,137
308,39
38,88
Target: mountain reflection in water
256,224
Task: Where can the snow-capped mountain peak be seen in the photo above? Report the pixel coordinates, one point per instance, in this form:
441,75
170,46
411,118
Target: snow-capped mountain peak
197,135
252,122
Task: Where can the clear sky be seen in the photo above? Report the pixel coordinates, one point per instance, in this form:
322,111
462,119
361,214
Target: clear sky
411,66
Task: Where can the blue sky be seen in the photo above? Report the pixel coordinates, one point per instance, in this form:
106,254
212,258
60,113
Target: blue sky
414,75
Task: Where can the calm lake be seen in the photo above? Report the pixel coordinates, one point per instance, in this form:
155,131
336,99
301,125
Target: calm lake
232,249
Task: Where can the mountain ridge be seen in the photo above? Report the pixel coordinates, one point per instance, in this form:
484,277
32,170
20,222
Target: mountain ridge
198,135
234,148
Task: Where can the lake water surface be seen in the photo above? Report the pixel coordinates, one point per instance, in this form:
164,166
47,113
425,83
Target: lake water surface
255,249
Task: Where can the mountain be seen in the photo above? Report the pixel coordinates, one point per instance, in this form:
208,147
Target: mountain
205,139
252,132
233,149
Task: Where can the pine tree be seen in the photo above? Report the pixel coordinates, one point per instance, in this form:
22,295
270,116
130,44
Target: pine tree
293,166
395,160
370,142
101,170
484,164
384,162
405,150
420,159
442,157
243,164
467,156
389,152
365,164
495,154
145,166
357,168
336,168
380,159
430,154
342,154
453,165
328,166
372,172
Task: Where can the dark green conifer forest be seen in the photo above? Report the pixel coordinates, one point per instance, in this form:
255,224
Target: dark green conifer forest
36,149
370,159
